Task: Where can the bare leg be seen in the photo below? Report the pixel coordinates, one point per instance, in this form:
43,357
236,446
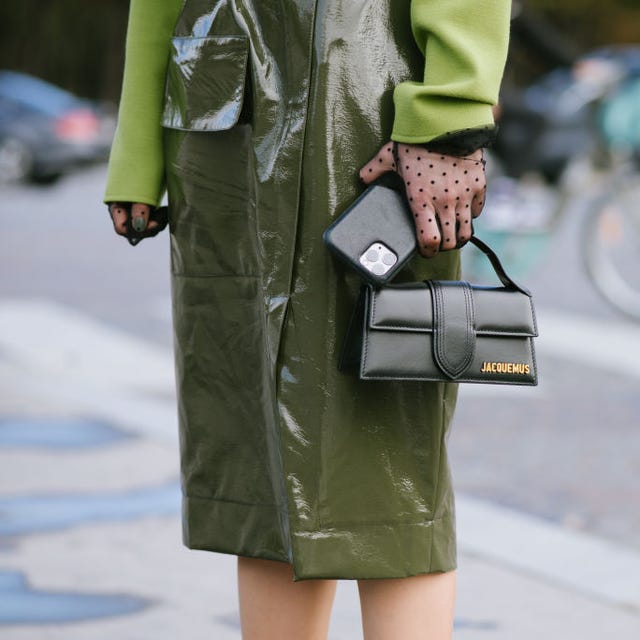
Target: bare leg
416,608
273,607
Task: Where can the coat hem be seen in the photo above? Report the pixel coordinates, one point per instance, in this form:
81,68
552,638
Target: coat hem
350,552
362,552
237,528
385,551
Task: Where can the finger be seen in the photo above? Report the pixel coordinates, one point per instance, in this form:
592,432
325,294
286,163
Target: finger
140,217
158,220
447,220
478,181
477,204
382,163
444,207
464,228
427,229
152,229
119,217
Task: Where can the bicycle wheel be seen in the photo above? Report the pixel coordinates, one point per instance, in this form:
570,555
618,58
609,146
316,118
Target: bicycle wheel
611,246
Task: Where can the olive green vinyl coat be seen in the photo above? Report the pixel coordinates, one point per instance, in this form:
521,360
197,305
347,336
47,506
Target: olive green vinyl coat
270,110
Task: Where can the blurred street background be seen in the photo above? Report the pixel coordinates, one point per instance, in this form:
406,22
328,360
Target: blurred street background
547,478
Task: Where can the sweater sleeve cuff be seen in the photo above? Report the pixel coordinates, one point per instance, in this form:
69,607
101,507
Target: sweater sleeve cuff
133,180
422,117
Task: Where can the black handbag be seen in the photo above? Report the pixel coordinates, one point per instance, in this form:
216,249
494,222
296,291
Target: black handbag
448,331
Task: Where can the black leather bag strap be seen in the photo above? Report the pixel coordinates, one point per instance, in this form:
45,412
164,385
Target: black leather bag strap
497,266
454,326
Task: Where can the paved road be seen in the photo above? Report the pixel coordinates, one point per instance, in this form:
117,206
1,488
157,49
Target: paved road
82,313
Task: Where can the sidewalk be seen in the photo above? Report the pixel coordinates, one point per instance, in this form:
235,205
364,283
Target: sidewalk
90,537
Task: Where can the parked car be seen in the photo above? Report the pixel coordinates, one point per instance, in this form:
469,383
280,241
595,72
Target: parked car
46,131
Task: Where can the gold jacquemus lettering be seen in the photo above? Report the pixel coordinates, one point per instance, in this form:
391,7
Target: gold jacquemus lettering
505,367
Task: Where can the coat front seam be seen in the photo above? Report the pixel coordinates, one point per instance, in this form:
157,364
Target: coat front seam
295,239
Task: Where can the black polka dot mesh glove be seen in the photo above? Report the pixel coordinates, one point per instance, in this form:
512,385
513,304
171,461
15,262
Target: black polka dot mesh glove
137,221
445,192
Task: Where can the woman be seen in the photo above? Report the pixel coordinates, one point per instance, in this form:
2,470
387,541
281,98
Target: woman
256,115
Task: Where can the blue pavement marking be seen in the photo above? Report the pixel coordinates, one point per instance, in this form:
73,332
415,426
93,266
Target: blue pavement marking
478,625
230,620
57,433
21,515
20,604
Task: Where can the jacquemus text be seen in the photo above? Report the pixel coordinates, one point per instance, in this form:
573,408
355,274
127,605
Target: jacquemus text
505,367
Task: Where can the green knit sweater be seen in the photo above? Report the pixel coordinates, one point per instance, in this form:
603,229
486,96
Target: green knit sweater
464,43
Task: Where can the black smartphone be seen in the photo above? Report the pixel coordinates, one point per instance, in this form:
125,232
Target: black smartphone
375,235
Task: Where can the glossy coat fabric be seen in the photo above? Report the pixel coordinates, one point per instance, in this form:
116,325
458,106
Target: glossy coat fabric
271,109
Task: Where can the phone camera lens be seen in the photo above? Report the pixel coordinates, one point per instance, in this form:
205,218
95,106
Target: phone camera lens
372,255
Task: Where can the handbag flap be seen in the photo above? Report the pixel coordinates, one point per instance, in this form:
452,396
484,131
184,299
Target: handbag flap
408,307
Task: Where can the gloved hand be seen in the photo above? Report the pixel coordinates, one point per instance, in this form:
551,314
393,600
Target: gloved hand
137,221
444,192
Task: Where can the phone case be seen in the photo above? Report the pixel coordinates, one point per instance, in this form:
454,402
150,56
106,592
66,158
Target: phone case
375,235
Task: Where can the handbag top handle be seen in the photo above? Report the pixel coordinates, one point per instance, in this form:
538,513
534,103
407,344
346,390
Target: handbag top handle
504,278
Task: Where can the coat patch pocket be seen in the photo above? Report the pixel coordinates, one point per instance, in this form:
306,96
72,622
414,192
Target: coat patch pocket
205,82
